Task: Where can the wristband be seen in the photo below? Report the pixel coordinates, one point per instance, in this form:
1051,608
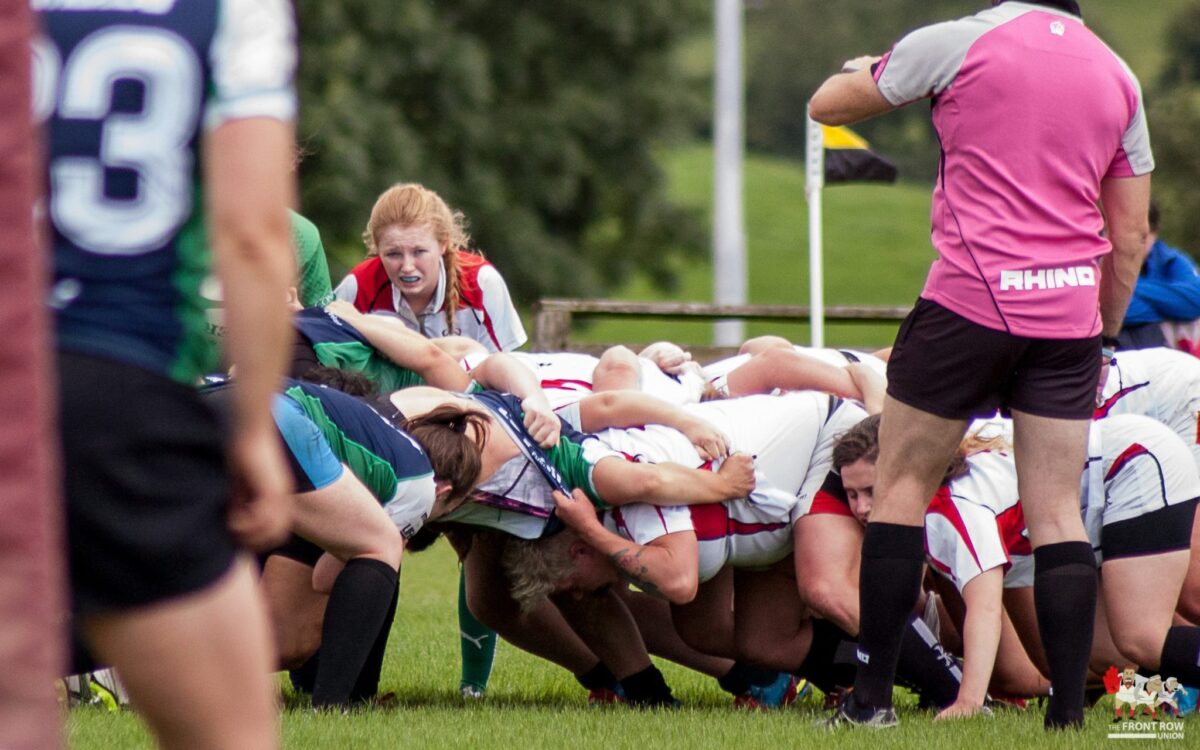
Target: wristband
1107,353
1109,342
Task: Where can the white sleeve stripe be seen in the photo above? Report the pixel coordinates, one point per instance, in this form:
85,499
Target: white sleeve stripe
277,105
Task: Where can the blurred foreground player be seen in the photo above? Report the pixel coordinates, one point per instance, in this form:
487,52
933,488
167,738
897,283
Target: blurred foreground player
154,111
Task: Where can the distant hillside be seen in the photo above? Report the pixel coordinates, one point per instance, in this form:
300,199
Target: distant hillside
876,239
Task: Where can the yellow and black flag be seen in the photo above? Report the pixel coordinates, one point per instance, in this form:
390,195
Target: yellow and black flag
849,158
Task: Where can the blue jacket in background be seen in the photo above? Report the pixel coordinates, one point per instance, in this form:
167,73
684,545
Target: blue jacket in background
1168,288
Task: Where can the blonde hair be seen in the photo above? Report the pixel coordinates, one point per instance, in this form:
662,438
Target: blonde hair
408,204
536,566
972,444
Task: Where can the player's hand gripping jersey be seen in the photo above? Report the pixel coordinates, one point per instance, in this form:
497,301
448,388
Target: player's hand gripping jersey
517,499
791,437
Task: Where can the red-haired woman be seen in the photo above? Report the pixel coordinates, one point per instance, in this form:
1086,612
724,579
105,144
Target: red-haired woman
419,268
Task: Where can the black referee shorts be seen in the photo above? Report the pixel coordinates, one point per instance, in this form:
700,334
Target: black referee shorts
948,366
146,486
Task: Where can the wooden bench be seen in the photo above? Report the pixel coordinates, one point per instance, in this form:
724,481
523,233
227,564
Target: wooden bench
553,318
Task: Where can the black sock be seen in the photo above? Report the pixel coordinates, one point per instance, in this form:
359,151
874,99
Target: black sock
358,603
648,688
598,677
1064,593
740,677
367,684
821,666
1181,655
304,677
928,667
893,558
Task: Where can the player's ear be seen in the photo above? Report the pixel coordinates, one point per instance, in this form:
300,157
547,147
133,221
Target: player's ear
578,549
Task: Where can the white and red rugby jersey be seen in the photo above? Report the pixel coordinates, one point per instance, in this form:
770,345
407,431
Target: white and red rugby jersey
485,314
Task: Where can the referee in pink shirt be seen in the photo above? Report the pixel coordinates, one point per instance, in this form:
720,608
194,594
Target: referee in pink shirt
1039,221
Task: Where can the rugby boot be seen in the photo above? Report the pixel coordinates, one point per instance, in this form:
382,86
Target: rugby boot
611,695
849,713
776,694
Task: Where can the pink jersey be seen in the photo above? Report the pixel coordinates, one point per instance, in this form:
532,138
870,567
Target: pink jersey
1032,111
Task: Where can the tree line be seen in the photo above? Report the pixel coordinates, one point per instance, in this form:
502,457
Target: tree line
538,118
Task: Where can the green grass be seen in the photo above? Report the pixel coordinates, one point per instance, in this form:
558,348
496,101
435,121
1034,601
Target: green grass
877,250
531,704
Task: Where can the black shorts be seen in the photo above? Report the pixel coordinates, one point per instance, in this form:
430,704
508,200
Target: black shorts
1165,530
945,365
299,549
146,486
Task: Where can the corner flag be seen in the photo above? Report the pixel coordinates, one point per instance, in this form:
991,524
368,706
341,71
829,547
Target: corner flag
849,158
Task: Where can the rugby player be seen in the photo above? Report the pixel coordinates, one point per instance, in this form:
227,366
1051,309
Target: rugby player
1140,488
419,268
514,497
360,519
669,551
150,107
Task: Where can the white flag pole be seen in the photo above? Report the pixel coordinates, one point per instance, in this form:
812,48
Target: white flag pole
729,232
814,182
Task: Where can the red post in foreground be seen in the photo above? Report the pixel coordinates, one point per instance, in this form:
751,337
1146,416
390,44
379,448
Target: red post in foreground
31,600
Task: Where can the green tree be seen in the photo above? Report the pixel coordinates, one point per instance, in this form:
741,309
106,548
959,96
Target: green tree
793,45
536,118
1173,108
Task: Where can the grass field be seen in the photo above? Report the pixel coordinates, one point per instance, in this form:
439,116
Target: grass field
532,704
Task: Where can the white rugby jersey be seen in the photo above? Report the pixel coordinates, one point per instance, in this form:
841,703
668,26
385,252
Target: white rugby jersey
1160,383
717,373
568,377
735,533
1135,465
791,437
975,522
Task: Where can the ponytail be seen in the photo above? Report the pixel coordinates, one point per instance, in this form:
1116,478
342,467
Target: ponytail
456,458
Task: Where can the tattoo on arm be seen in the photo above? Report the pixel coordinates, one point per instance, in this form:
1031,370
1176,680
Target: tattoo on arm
629,564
